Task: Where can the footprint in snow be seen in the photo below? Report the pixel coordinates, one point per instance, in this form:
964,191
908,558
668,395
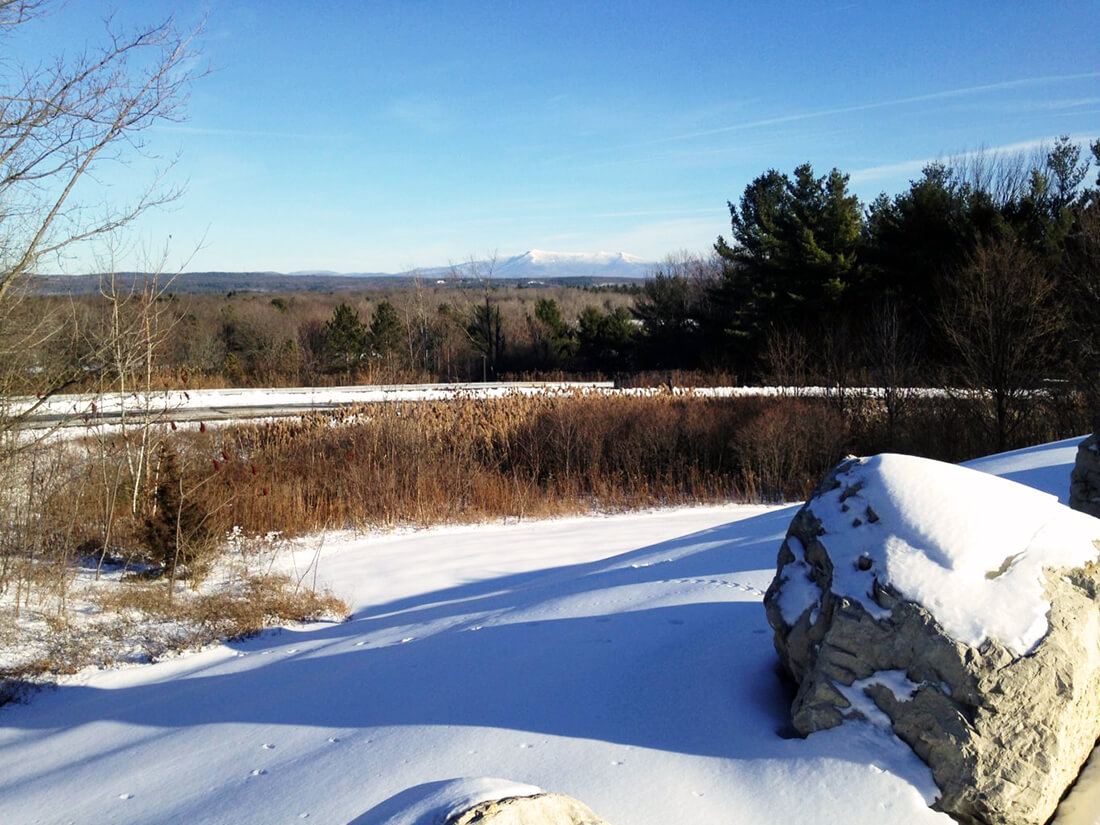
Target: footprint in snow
526,745
267,746
333,740
259,772
125,796
746,588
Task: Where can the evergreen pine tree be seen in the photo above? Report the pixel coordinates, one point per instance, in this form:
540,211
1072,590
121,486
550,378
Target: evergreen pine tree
178,527
347,341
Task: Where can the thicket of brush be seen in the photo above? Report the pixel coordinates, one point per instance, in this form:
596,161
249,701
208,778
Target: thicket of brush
519,456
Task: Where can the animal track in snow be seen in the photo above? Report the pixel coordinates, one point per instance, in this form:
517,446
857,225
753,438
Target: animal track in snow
745,588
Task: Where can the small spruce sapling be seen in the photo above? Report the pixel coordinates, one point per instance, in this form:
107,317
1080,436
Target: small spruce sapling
178,528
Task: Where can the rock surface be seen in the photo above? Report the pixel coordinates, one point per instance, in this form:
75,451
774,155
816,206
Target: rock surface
541,809
1084,488
1004,727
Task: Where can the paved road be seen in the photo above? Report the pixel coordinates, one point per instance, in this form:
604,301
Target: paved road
244,404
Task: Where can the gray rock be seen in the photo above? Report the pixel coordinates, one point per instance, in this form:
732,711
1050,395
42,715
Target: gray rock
1004,733
1084,487
541,809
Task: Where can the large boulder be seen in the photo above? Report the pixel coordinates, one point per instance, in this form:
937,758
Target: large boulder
483,800
956,607
540,809
1084,487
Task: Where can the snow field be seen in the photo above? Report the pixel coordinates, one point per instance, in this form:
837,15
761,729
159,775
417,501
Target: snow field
623,660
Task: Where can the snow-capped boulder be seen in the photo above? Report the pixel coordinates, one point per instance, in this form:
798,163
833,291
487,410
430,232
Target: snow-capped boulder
956,607
540,809
486,801
1084,488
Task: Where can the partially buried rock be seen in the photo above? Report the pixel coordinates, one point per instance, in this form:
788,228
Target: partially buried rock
962,608
540,809
480,800
1084,487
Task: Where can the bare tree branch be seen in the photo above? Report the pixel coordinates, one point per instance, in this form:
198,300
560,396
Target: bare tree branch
61,122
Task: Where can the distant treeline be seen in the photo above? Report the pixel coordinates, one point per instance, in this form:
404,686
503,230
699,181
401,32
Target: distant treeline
199,283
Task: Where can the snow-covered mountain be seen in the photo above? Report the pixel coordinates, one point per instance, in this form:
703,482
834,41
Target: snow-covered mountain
540,264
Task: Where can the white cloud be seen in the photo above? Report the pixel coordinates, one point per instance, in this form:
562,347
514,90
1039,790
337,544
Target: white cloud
901,101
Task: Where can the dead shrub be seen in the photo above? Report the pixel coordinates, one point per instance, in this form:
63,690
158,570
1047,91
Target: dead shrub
243,610
787,447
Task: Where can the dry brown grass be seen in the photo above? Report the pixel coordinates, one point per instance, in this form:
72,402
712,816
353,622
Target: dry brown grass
138,621
473,459
246,609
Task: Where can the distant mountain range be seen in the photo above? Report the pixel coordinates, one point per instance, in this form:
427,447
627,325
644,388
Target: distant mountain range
535,263
536,266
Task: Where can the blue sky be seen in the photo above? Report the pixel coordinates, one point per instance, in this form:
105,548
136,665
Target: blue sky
381,136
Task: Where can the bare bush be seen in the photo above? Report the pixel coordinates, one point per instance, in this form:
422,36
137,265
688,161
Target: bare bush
787,446
1002,317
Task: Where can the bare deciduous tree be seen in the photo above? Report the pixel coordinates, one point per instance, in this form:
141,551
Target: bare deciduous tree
1082,279
483,323
60,123
1002,319
892,353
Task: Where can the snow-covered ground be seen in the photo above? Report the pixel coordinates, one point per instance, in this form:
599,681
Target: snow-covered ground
624,660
